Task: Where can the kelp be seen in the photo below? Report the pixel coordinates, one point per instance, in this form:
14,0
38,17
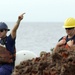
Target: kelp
61,62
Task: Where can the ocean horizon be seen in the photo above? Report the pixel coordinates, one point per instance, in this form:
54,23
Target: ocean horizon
37,36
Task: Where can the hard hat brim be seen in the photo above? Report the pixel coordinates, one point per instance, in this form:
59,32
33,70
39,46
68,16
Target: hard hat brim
68,26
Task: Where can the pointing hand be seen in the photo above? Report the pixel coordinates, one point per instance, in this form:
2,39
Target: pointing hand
21,16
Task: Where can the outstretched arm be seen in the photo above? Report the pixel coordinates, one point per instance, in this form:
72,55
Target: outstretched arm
14,30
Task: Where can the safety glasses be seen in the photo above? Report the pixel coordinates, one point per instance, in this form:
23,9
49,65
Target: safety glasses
69,28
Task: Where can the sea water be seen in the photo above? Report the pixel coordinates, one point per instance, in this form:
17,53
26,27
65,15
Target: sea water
37,36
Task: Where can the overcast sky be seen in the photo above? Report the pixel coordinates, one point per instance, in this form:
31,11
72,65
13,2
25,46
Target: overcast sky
37,10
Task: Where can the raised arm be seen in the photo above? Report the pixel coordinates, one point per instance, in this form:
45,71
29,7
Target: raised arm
14,30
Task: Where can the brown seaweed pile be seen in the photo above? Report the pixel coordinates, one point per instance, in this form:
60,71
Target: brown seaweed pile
61,62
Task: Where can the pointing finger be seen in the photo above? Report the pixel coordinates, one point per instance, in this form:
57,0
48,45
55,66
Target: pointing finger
23,13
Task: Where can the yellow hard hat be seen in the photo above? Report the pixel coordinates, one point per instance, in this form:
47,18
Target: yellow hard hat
69,23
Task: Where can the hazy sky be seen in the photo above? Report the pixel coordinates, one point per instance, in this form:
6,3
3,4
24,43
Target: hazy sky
37,10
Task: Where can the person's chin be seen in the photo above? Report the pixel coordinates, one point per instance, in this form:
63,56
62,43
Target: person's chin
0,37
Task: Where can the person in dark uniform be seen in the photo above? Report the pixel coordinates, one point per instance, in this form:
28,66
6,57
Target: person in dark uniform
7,47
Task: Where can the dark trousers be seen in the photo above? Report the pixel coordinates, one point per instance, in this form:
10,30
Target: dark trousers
5,71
